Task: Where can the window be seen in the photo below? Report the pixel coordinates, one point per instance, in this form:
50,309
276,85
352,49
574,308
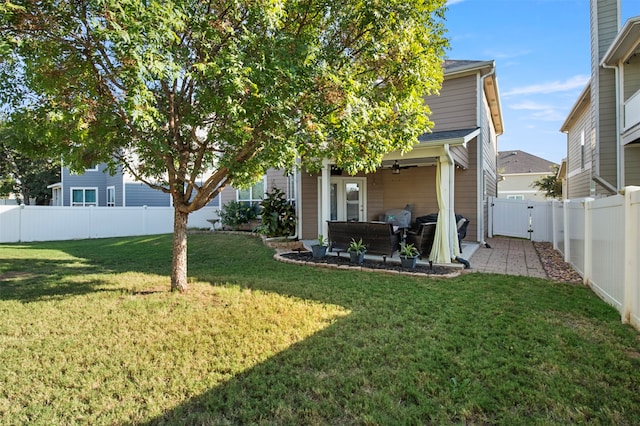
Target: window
84,197
111,196
291,187
252,195
582,150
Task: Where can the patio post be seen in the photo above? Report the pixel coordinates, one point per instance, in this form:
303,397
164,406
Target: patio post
325,194
445,245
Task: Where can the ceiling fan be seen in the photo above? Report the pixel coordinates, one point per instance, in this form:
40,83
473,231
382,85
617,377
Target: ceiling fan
396,167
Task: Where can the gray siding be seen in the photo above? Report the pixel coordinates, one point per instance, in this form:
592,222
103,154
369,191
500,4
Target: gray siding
578,177
89,179
489,176
631,77
118,183
309,204
607,141
604,28
466,191
139,194
456,106
632,165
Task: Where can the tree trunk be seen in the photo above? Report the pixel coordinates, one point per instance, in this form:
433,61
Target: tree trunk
179,260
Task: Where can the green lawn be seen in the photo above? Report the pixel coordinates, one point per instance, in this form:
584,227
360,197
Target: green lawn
90,334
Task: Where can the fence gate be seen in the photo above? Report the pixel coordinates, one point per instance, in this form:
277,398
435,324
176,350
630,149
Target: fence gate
521,219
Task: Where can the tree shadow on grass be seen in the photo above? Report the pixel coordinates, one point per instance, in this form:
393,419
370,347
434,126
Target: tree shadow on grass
30,281
336,376
58,269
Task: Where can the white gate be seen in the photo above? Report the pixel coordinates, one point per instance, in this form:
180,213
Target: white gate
521,218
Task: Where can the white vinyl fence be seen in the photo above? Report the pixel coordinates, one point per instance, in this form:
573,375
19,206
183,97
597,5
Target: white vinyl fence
600,238
45,223
521,219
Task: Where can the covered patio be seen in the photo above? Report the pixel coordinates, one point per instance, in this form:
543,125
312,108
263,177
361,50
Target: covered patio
430,166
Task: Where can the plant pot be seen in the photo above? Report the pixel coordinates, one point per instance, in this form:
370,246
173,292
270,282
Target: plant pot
409,262
356,257
319,251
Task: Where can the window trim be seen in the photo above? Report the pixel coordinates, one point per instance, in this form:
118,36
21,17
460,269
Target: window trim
252,198
84,197
109,202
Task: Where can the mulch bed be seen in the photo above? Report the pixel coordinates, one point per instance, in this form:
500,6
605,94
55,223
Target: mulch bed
343,261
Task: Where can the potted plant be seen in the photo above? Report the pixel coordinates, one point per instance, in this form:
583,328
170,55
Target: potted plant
356,251
409,256
319,250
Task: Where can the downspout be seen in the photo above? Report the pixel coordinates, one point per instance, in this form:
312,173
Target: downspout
619,180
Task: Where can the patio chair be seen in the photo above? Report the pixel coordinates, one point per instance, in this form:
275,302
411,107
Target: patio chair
461,223
422,239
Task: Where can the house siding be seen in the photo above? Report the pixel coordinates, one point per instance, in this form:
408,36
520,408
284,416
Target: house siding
607,140
415,186
386,191
489,178
309,204
578,177
632,165
604,28
521,184
466,191
139,194
89,179
631,77
117,182
455,107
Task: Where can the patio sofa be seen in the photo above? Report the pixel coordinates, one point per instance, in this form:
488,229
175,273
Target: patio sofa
378,237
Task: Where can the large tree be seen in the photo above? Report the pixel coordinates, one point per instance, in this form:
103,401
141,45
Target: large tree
180,90
24,172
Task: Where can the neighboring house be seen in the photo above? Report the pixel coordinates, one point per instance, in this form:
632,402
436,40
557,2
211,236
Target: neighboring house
603,127
451,169
96,187
518,170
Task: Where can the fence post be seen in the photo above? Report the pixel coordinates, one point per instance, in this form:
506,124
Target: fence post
554,224
630,257
567,231
20,210
588,240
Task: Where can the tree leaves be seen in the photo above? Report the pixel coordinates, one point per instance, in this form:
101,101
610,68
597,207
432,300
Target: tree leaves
183,90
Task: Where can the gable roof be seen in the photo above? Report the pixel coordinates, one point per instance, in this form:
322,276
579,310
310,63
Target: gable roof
516,161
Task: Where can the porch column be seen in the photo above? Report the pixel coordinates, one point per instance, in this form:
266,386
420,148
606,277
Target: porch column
445,244
325,194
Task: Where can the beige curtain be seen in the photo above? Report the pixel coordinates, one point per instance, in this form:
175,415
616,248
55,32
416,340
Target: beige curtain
445,242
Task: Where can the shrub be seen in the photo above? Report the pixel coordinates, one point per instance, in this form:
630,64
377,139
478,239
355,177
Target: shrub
235,213
278,215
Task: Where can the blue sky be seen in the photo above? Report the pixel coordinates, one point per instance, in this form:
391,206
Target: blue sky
542,54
